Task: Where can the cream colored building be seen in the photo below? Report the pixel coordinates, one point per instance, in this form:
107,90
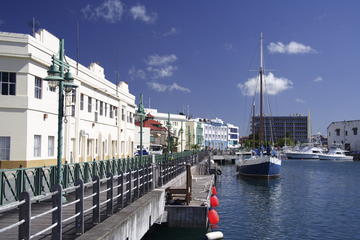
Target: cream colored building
178,123
100,115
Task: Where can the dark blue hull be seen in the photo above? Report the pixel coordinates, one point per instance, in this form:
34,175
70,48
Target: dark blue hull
265,169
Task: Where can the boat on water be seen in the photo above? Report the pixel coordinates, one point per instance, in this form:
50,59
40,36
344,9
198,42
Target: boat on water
260,164
336,154
307,152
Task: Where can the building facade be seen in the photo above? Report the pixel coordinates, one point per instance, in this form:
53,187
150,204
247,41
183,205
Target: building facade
296,127
178,123
99,122
194,134
215,134
233,136
345,134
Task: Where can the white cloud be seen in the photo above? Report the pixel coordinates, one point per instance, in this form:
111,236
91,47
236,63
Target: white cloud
273,85
228,46
161,72
163,87
171,32
161,66
110,10
157,60
138,12
292,48
299,100
135,73
318,79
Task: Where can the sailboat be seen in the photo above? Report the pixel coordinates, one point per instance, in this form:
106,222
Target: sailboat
260,165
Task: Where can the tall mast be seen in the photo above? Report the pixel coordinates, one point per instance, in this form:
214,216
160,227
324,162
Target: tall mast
253,123
261,72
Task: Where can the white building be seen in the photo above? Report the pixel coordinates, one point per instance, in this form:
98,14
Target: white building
177,125
100,115
345,134
215,134
233,136
194,133
145,138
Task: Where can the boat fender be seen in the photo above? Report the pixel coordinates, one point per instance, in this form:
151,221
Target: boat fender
218,172
214,235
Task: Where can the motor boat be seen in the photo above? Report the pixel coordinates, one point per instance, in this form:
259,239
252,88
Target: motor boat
336,154
308,152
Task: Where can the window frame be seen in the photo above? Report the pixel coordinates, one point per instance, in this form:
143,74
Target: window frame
10,83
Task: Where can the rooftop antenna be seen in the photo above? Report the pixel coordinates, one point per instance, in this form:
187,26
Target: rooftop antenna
149,102
77,47
117,79
34,24
188,111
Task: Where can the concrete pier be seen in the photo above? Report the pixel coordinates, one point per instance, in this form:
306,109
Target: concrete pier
132,222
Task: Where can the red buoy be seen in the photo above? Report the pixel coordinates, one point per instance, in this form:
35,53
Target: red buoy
214,201
213,190
213,217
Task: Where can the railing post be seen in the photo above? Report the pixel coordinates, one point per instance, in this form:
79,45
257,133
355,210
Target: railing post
38,181
96,200
52,176
120,190
94,173
145,174
57,215
137,165
77,171
19,183
2,188
86,172
65,175
25,213
110,194
79,207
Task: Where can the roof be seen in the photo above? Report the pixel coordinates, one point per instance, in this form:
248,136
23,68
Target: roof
152,124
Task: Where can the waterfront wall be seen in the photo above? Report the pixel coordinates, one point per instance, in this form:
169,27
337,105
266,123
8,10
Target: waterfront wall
132,222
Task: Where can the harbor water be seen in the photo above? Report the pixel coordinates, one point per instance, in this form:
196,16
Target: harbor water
311,200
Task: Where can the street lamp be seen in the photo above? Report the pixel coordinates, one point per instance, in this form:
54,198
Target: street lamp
181,137
141,114
59,76
168,125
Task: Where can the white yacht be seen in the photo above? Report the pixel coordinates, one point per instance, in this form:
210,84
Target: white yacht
336,154
308,152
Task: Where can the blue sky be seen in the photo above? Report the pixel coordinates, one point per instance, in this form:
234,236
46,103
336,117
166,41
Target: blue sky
199,53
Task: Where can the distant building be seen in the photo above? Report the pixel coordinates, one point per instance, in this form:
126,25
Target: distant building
157,132
233,136
177,121
215,134
296,127
345,134
194,133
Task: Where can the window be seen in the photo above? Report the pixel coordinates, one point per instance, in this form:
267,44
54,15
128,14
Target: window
81,101
89,104
345,133
105,109
337,132
73,101
123,114
51,144
37,145
96,116
96,105
7,83
38,88
111,112
4,148
115,111
101,108
355,131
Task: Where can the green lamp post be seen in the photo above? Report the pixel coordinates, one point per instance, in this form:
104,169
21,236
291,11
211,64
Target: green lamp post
141,114
168,125
181,138
59,76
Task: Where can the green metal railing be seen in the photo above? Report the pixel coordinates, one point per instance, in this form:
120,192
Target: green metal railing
40,180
